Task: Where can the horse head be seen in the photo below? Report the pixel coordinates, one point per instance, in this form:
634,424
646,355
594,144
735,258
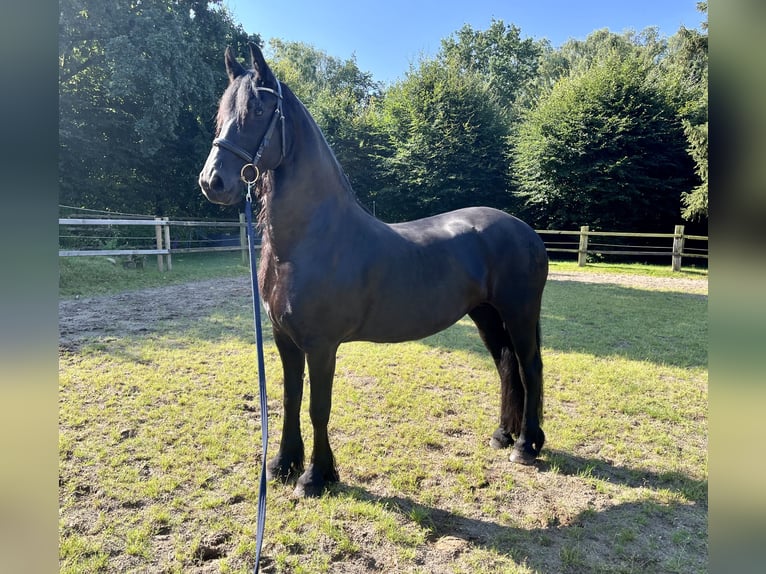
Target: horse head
249,114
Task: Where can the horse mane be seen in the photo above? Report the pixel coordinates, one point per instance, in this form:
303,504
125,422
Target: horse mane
264,188
234,102
290,98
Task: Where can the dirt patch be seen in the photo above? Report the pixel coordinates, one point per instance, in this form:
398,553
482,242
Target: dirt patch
142,310
679,284
139,311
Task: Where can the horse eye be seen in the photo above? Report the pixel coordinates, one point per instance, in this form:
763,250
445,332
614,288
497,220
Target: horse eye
255,106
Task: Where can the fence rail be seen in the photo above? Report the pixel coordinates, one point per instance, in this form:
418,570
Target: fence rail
675,247
163,248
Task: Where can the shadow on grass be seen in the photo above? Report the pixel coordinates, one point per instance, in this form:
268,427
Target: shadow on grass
609,320
602,320
571,465
654,534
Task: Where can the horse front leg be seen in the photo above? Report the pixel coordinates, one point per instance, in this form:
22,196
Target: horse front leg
322,469
289,460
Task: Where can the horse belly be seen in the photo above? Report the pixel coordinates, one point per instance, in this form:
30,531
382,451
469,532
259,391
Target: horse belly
413,310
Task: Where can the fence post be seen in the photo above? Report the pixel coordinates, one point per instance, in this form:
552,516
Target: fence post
678,247
243,239
158,236
582,251
168,259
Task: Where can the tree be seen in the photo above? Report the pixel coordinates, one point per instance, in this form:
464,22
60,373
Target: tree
695,201
448,123
684,73
138,87
339,96
603,44
679,67
498,55
447,137
552,65
604,148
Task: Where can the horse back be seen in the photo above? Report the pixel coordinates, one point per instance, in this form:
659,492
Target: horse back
481,235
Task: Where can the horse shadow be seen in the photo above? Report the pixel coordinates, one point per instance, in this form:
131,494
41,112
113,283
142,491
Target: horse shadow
606,320
557,547
603,320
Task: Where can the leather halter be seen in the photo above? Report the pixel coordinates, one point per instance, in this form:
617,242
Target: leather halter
251,161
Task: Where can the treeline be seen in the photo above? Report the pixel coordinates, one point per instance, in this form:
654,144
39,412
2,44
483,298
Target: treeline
610,131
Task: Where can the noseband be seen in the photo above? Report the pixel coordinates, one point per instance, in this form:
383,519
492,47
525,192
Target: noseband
251,161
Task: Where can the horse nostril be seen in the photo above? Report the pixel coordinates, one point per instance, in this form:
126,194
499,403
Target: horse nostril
216,183
211,183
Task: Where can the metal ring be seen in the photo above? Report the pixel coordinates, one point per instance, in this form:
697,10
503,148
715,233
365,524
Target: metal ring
255,170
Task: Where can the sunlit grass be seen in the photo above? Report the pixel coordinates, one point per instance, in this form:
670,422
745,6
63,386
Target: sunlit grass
688,271
85,276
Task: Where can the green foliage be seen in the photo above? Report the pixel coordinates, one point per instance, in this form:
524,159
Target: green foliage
695,202
339,96
448,122
602,45
604,148
138,86
499,56
685,76
448,137
615,125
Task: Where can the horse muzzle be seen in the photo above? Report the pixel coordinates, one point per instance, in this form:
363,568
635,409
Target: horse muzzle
217,189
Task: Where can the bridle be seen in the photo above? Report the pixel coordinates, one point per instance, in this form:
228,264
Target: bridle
251,161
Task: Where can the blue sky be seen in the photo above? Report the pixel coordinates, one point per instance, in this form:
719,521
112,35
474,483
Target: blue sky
388,35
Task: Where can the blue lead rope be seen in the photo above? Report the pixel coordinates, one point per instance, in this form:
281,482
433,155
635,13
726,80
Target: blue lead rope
261,379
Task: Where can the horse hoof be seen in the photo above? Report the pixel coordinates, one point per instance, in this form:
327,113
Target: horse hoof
281,472
523,456
526,452
308,491
313,483
500,439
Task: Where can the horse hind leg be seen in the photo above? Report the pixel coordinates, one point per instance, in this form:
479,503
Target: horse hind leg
497,340
526,341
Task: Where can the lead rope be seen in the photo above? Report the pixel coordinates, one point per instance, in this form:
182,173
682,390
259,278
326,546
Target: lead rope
261,377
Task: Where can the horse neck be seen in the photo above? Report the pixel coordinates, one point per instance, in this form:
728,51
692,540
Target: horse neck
309,191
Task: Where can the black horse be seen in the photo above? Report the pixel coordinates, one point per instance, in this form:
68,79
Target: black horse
330,272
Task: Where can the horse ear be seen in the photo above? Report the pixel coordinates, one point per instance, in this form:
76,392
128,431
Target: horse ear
233,68
259,64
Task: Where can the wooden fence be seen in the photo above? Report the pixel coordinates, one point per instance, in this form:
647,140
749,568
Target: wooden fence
163,247
675,246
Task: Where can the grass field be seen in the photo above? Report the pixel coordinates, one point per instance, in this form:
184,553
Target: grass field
159,447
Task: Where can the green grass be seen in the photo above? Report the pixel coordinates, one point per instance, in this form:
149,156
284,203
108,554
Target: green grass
85,276
690,271
159,449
